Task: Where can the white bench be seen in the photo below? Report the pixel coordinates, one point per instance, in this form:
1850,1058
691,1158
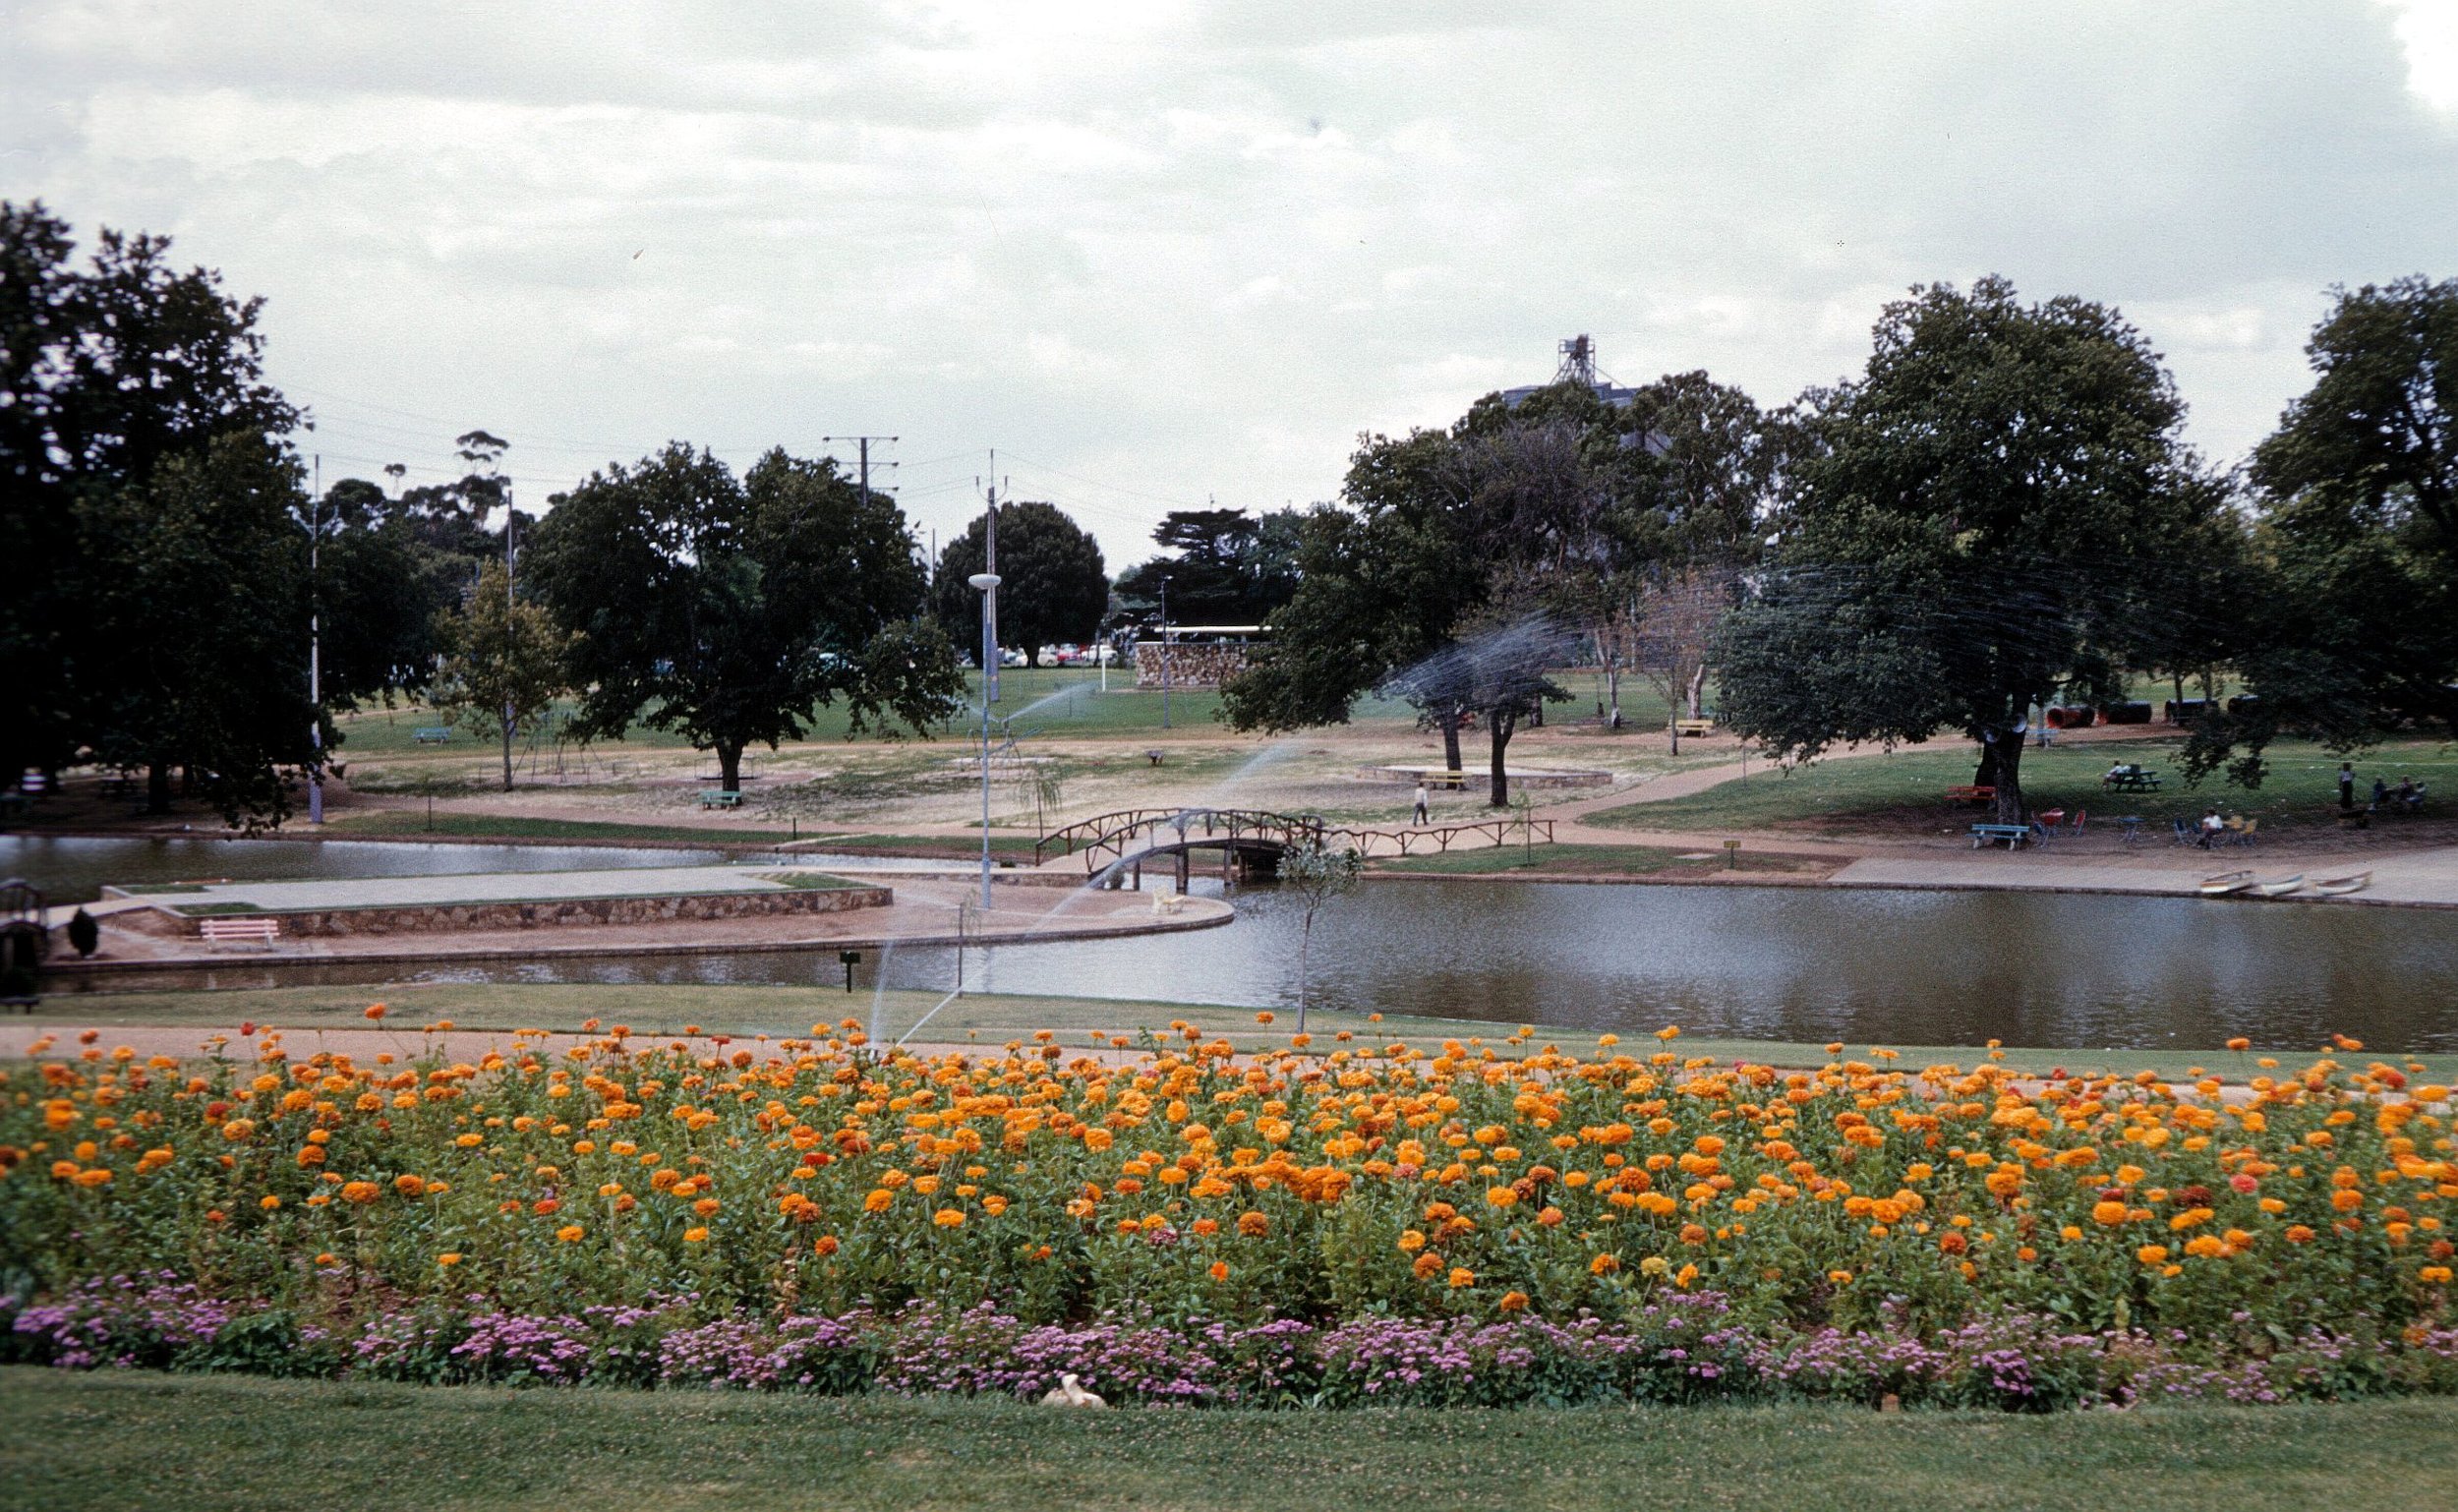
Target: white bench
263,931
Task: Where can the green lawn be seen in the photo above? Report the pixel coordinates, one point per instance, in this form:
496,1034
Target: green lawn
137,1442
1579,860
1906,789
415,821
655,1009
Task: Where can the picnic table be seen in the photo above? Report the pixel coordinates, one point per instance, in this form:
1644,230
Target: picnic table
1969,793
2132,823
2130,779
2011,835
431,734
719,797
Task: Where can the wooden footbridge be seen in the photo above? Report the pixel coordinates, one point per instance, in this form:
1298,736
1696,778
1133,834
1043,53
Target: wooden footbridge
1116,847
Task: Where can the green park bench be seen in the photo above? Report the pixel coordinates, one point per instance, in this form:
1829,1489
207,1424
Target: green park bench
431,734
719,797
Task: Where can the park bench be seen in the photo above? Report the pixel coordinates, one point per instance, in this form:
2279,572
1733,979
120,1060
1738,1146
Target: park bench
431,734
262,931
1453,780
1694,726
1969,793
719,797
1154,756
2011,835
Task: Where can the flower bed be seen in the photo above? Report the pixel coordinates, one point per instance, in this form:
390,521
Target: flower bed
1372,1224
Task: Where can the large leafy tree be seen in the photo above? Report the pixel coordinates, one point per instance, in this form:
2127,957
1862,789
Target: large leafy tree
195,617
727,610
134,414
1223,566
1415,587
1052,584
2357,636
1982,519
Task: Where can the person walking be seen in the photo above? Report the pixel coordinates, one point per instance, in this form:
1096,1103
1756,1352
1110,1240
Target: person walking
2346,788
1421,801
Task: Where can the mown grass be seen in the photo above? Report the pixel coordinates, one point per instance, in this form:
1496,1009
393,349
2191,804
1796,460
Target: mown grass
132,1442
1583,860
413,821
1908,788
659,1008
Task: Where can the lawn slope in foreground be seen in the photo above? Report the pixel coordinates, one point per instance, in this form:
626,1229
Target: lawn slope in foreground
136,1441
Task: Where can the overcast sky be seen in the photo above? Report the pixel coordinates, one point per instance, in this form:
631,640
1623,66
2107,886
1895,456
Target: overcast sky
1161,252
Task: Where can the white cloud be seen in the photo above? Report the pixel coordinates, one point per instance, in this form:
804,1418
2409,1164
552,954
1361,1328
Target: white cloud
1187,250
2429,31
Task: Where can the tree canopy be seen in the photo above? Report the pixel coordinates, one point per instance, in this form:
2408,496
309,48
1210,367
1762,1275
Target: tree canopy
2355,634
1052,584
1224,566
153,522
1985,517
727,608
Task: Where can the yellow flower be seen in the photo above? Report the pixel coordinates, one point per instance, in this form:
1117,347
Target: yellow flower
949,1218
2151,1255
695,1235
448,1259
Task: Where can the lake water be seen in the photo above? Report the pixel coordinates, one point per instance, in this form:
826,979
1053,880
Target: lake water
1796,963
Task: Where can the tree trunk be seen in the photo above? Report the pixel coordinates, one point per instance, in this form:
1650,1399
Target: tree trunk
1497,786
2006,776
1304,942
1613,692
1698,692
730,766
157,787
1448,723
1672,727
506,722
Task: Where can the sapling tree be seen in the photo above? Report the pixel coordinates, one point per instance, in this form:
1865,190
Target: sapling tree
1318,874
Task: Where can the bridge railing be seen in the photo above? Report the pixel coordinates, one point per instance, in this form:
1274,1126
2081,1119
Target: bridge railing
1188,826
1437,840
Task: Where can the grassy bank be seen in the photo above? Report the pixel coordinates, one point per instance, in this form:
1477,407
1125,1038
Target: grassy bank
1906,789
1587,861
655,1009
131,1442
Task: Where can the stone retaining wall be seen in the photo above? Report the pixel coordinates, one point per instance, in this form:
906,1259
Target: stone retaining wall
549,913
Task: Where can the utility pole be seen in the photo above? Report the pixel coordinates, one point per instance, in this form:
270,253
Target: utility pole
316,645
863,446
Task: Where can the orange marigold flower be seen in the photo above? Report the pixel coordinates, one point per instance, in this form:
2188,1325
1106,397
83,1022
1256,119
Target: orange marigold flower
2298,1234
878,1199
695,1235
1220,1270
1461,1275
1253,1225
570,1233
2151,1255
1514,1302
1604,1264
375,1012
361,1193
949,1218
2109,1213
448,1259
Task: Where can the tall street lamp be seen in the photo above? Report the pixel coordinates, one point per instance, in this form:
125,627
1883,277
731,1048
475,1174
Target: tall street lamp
987,583
1164,651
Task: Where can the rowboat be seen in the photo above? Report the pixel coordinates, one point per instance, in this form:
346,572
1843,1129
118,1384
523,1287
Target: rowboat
2280,888
2222,884
2340,887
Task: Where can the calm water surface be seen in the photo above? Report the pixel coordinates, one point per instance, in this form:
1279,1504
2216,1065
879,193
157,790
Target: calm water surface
1794,963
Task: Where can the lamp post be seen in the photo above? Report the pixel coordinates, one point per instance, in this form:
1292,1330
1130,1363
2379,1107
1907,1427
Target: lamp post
987,583
1164,651
316,647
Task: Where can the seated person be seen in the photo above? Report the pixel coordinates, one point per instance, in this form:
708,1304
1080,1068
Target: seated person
2381,792
2211,826
2121,769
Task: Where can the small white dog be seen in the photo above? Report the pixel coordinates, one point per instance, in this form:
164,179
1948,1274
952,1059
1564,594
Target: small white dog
1071,1393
